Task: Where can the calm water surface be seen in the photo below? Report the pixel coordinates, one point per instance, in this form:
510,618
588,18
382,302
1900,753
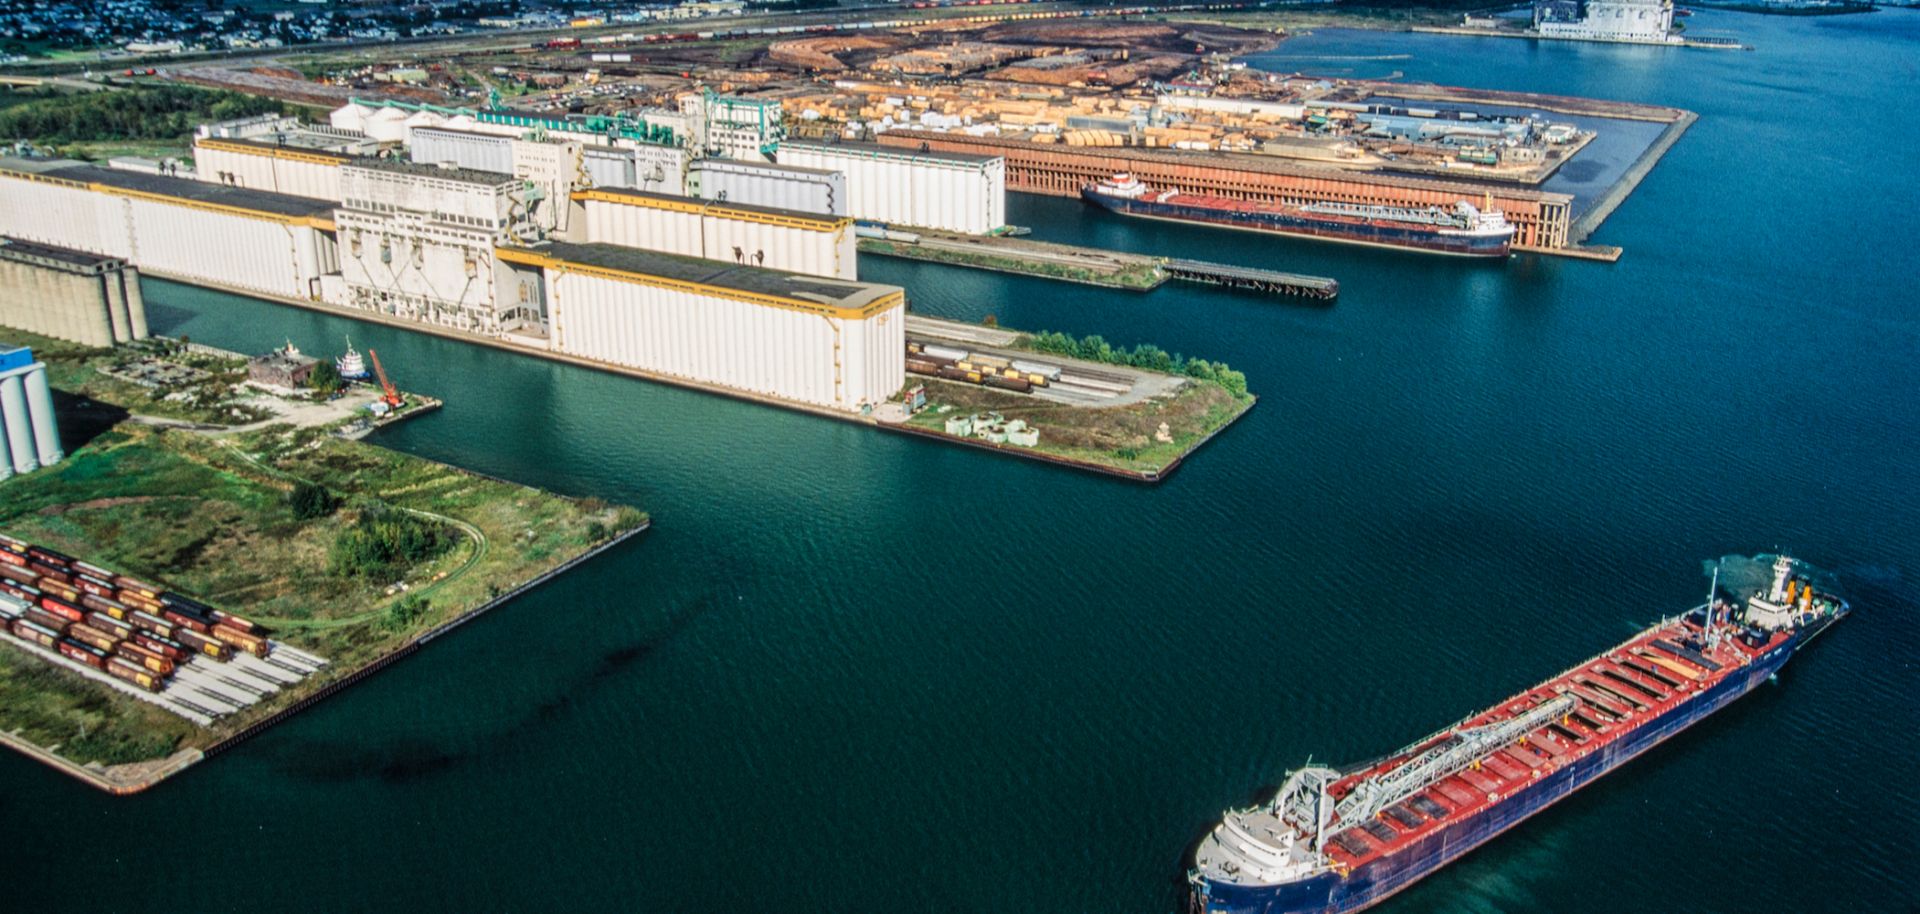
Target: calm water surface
849,671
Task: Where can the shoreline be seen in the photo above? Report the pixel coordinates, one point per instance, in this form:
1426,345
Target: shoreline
642,374
153,772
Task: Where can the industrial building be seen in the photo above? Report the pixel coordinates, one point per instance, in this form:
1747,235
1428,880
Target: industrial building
29,436
277,154
949,190
730,232
233,237
823,342
789,187
68,294
1639,21
416,241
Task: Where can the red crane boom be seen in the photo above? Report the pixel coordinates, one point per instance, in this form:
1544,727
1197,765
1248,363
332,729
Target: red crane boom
389,394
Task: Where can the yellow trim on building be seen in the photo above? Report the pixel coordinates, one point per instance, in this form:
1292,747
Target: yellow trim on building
721,210
321,221
546,262
312,156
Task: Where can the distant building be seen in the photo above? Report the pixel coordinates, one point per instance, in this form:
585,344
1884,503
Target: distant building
1605,20
29,438
282,368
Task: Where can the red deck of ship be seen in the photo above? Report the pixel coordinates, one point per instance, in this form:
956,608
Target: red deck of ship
1630,685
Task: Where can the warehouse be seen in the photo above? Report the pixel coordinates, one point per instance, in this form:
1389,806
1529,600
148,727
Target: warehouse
252,240
29,437
954,192
806,190
806,339
87,298
751,235
264,166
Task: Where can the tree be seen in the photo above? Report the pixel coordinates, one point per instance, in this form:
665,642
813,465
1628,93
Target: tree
310,500
406,611
325,378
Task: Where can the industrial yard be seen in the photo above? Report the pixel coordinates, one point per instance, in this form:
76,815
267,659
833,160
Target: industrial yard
173,589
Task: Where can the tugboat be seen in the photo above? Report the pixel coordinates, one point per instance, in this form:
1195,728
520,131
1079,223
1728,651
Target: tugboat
350,365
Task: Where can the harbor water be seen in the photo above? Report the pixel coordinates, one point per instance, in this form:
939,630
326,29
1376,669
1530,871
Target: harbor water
849,671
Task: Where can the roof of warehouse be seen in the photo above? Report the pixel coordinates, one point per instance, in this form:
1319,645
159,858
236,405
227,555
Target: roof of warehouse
723,204
178,188
837,293
403,166
876,148
723,165
296,143
14,248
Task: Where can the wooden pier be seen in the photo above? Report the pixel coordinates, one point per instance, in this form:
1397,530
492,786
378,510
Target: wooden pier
1270,281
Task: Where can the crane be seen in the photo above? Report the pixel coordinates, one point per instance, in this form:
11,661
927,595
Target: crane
388,395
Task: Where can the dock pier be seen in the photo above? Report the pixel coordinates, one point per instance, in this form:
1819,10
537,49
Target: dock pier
1272,282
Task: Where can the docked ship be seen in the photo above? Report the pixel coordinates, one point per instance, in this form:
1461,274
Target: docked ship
1334,841
1464,230
350,365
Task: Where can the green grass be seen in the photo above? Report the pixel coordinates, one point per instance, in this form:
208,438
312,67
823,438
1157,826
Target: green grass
1121,437
208,516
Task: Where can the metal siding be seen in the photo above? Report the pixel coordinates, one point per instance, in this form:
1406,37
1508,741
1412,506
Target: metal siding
716,340
481,153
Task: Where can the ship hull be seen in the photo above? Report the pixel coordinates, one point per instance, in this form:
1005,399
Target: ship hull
1374,233
1330,893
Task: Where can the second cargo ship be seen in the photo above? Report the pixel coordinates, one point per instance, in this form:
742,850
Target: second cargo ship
1335,841
1464,230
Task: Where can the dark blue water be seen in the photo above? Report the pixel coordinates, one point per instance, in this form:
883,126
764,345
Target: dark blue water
849,671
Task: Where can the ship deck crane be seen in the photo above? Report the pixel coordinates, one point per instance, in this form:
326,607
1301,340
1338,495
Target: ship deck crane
388,394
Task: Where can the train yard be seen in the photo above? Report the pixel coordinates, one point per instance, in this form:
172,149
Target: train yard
143,640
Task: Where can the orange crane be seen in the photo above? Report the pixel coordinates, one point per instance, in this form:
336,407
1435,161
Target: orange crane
389,396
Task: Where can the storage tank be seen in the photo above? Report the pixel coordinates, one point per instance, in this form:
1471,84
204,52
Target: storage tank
388,125
13,409
46,435
351,116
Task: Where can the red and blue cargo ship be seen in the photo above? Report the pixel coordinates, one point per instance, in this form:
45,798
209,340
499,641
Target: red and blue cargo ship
1463,230
1334,841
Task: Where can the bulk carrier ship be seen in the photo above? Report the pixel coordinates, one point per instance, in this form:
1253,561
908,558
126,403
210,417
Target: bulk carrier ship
1464,230
1336,841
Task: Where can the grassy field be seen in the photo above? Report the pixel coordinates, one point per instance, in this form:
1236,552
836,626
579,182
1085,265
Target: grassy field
210,516
1122,437
82,371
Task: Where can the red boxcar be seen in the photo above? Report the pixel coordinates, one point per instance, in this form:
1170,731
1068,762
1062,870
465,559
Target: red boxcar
165,647
152,660
122,668
203,644
251,643
91,656
62,608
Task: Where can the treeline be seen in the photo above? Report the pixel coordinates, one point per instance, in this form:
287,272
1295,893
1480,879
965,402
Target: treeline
142,113
1146,355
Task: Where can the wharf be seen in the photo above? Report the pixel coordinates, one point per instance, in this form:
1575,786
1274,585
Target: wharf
514,345
1026,257
1271,281
1092,266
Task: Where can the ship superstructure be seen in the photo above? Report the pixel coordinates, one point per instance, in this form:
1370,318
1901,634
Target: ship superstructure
1336,840
1461,229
